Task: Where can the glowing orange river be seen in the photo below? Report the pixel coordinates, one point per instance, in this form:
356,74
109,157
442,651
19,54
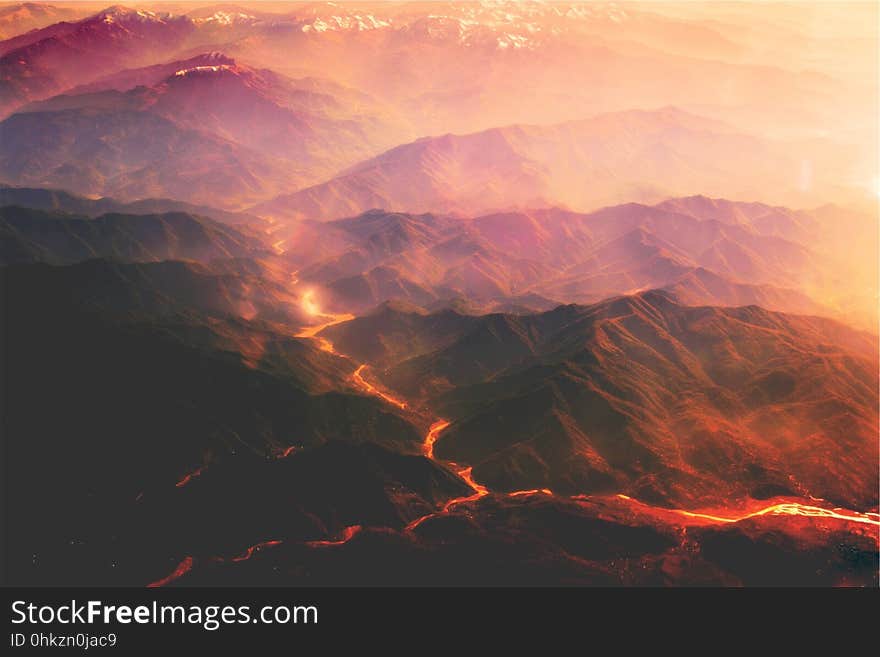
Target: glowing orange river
785,508
362,383
309,305
779,509
347,534
188,562
433,433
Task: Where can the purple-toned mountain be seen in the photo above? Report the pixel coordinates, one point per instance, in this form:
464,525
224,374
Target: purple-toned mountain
611,158
705,251
205,130
47,61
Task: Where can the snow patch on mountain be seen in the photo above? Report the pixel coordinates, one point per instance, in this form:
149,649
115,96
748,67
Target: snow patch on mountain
122,15
197,70
354,22
227,18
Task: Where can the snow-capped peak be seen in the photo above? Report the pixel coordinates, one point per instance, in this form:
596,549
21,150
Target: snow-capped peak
355,22
227,18
200,70
120,14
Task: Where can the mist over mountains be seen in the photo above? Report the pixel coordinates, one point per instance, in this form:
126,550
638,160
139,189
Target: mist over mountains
440,293
634,155
704,250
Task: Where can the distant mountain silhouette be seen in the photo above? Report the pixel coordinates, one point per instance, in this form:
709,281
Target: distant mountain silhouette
62,201
635,155
734,254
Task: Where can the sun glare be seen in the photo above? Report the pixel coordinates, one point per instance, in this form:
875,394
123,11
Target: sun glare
309,304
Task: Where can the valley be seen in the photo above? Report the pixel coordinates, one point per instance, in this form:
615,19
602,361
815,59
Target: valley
626,507
472,293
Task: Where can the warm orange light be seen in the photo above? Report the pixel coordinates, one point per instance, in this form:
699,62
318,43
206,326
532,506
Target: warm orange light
188,478
308,303
247,554
532,491
433,433
362,383
790,509
347,534
465,473
182,569
312,331
188,562
779,509
480,490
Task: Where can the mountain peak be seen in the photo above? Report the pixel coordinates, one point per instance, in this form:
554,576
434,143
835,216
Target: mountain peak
116,12
223,15
398,307
125,16
207,69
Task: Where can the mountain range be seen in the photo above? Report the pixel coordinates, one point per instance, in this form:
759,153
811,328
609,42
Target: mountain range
706,251
311,87
437,293
26,16
635,156
205,130
44,62
39,198
639,394
570,400
30,235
